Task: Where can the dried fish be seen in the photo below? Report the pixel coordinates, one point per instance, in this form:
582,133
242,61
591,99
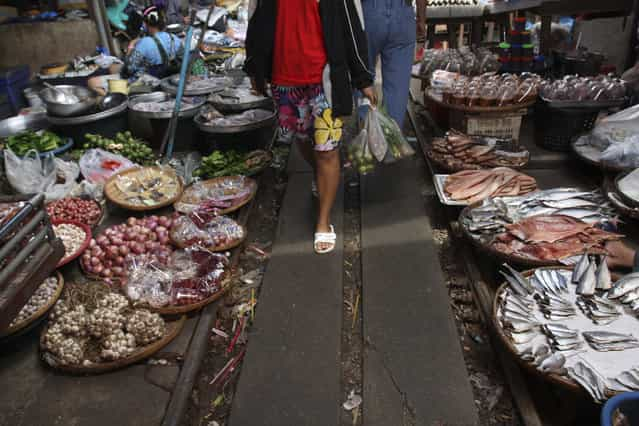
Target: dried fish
588,281
553,364
580,268
604,341
604,281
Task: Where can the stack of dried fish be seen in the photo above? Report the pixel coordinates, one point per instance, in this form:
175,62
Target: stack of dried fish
475,185
551,238
589,379
458,151
629,380
604,341
562,338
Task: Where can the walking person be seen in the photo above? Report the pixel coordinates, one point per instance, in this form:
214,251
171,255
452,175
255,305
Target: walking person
391,28
312,52
421,28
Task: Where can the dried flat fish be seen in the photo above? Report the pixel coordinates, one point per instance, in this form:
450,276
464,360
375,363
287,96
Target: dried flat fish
604,281
580,268
587,282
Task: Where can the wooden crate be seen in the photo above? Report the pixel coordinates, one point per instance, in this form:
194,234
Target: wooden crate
29,253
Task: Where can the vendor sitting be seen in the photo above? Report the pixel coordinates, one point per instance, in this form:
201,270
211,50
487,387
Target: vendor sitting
155,54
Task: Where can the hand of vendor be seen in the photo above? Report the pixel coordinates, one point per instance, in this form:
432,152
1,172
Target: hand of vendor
369,93
620,255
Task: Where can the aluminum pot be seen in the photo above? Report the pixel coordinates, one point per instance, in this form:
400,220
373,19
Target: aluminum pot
86,97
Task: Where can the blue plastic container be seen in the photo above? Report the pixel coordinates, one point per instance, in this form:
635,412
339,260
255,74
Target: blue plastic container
627,402
12,82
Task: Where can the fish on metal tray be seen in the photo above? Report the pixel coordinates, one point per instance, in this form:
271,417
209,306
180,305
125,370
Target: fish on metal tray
630,296
624,285
523,281
569,203
604,341
628,379
587,282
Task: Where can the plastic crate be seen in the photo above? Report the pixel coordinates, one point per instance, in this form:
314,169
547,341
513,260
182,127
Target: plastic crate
557,128
12,82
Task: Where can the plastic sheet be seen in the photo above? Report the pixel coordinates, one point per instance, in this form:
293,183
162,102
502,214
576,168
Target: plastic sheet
213,232
622,155
191,275
98,165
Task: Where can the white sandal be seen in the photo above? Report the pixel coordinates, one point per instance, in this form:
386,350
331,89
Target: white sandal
327,238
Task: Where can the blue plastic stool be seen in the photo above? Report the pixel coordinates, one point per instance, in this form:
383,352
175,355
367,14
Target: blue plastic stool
627,402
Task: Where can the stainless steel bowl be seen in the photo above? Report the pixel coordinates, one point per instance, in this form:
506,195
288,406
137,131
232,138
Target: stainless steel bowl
86,97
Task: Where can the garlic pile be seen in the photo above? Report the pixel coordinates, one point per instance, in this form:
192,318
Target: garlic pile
117,345
74,322
72,237
104,321
147,327
114,301
70,350
109,332
39,298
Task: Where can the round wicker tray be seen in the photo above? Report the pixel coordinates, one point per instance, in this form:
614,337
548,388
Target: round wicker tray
175,310
489,251
564,382
462,108
212,182
173,328
114,195
83,247
40,313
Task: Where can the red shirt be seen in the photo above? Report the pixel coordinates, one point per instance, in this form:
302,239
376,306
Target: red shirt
299,55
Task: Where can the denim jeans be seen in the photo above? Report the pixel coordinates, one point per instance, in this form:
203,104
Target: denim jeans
390,27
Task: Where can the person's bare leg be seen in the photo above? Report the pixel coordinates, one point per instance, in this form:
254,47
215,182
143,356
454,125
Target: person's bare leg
306,149
328,173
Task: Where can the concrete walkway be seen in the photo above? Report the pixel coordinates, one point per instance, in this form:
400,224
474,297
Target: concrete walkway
413,373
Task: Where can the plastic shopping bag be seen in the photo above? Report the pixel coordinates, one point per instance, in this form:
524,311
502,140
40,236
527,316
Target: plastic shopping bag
398,146
98,165
67,173
29,174
615,128
359,153
376,139
622,155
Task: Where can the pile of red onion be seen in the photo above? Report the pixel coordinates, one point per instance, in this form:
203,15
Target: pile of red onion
110,253
76,209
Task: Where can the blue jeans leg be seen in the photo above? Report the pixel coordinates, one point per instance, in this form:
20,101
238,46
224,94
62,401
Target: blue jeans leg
397,61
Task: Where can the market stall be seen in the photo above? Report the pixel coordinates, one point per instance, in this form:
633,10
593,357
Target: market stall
133,239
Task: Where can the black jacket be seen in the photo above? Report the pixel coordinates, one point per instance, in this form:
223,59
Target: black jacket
344,40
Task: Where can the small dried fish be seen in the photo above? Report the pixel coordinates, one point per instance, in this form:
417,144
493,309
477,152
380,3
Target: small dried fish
624,285
580,268
604,341
588,281
604,282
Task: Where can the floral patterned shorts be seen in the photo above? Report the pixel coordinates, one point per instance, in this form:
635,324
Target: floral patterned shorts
304,113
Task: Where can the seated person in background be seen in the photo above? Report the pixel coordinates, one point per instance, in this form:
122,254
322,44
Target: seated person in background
174,13
156,54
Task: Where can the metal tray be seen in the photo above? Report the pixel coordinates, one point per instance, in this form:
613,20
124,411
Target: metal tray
168,86
263,103
234,129
626,199
84,119
439,181
188,112
21,123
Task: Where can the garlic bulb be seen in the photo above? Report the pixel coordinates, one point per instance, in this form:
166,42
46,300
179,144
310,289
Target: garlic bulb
146,326
104,321
117,345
